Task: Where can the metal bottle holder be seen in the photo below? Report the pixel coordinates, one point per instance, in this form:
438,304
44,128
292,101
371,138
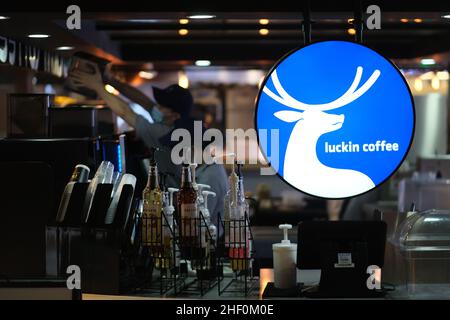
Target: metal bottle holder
236,248
201,250
169,256
163,253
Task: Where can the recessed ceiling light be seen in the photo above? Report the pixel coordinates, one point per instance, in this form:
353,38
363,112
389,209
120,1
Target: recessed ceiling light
427,62
4,18
183,32
351,31
264,32
183,21
417,20
202,63
38,36
351,20
264,21
65,48
202,16
447,16
404,20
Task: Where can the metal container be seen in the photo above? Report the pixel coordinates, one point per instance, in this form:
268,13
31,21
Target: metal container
28,115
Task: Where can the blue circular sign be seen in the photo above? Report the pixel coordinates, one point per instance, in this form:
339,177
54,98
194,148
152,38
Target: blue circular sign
335,119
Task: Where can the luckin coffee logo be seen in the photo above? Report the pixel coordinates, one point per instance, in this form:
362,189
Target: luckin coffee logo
332,147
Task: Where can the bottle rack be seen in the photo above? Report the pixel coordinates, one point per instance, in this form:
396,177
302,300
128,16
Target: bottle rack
236,247
96,247
198,249
163,253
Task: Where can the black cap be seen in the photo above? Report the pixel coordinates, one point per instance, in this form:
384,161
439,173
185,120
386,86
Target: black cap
174,97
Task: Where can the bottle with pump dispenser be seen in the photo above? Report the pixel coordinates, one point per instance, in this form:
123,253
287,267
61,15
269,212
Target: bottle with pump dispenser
232,179
230,210
240,243
285,261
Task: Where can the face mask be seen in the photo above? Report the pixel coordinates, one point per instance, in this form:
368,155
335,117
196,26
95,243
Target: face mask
156,115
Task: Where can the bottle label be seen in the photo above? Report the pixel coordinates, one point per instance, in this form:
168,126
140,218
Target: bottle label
188,210
189,217
152,222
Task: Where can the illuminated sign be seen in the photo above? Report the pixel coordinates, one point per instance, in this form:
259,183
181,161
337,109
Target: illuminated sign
345,117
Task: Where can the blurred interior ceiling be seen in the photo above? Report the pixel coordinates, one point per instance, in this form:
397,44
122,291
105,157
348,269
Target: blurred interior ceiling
139,39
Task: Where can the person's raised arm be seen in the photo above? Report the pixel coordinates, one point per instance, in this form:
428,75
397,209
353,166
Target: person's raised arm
131,93
95,82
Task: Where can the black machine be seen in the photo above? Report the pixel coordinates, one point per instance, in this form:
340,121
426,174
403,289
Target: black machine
34,174
343,250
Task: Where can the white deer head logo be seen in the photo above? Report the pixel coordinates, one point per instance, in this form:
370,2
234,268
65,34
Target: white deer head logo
302,168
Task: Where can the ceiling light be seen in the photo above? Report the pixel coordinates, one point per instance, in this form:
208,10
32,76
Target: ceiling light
183,32
427,62
264,32
264,21
202,16
38,36
447,16
202,63
404,20
65,48
4,18
418,84
435,83
147,74
417,20
183,80
183,21
442,75
351,31
351,20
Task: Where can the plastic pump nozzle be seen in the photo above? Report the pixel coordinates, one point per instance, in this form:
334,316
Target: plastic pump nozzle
285,228
171,192
200,188
205,196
